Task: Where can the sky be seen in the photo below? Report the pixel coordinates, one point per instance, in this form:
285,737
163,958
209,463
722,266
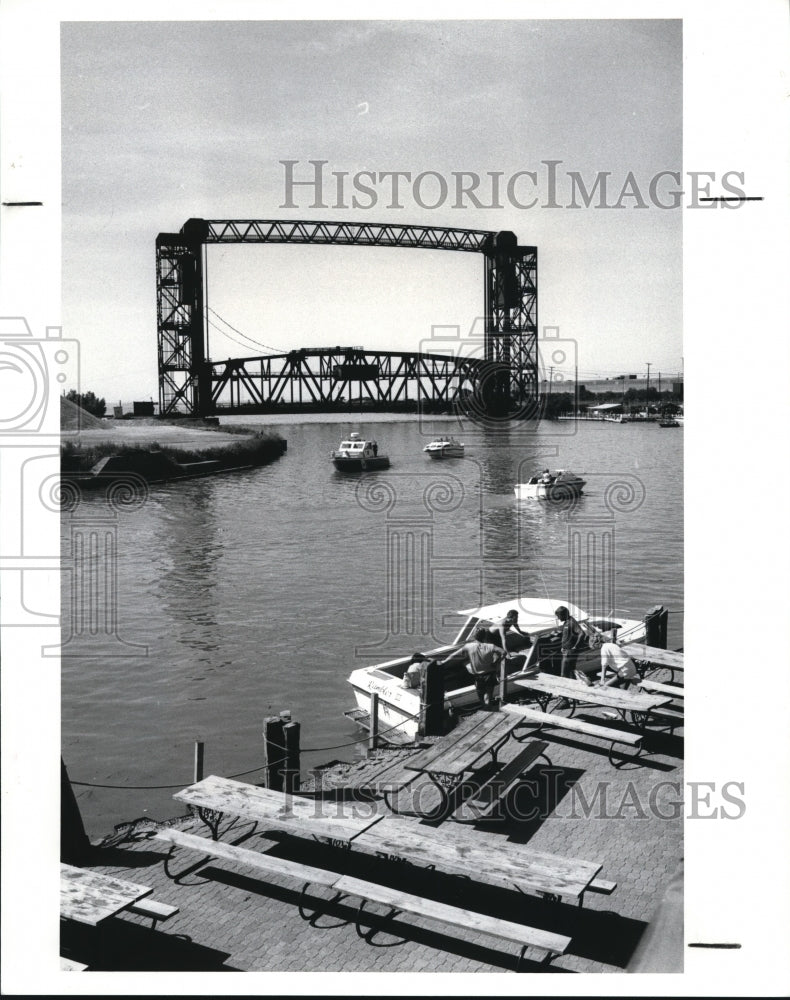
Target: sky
164,121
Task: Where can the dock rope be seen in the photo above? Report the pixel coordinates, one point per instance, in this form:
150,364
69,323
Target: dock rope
240,774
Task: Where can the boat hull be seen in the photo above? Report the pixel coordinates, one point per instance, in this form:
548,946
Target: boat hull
361,464
557,492
449,452
399,705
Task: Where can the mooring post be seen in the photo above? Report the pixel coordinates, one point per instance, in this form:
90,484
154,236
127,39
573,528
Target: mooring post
74,843
502,682
273,752
431,699
656,627
373,736
198,768
291,731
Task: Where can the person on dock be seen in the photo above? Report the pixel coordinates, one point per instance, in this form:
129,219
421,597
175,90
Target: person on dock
613,658
482,661
572,641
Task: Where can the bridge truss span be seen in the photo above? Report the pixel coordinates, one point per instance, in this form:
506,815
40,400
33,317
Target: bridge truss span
338,376
503,376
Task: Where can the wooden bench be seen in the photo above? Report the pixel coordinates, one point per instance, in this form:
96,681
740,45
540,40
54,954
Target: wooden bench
546,941
612,736
670,689
551,944
251,859
602,886
153,909
484,800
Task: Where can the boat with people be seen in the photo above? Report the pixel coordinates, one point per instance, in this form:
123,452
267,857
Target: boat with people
356,454
558,485
668,422
445,447
397,682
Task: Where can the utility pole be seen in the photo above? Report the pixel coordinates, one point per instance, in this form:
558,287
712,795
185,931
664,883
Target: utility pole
647,391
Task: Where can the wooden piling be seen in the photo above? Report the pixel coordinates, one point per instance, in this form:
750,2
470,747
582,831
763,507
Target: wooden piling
74,843
197,774
373,735
431,699
273,752
502,682
656,627
292,768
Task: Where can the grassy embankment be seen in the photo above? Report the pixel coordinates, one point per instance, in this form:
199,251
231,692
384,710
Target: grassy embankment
251,450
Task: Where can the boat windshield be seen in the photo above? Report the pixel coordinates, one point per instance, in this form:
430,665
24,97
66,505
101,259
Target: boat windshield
352,445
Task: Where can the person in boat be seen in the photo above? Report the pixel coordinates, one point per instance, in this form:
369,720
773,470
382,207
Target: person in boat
546,477
375,449
501,628
482,661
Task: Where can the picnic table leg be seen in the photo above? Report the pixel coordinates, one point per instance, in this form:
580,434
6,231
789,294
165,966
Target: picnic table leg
446,783
623,757
212,818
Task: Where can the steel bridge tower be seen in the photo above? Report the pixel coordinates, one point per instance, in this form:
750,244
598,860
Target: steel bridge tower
505,376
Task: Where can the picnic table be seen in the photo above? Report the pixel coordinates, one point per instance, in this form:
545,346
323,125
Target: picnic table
668,658
90,897
462,750
547,687
549,875
335,822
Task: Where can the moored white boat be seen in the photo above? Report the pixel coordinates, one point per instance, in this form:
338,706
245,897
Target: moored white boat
354,454
399,700
445,447
547,485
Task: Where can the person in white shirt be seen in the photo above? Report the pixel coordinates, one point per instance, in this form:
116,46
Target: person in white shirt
623,669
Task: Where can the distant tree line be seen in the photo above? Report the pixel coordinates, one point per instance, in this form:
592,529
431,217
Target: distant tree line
87,401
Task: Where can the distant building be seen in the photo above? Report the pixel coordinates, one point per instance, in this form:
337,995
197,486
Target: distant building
617,384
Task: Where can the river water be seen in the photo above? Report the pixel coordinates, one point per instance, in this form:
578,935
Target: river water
237,596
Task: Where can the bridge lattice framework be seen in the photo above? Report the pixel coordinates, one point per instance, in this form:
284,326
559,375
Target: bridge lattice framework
504,374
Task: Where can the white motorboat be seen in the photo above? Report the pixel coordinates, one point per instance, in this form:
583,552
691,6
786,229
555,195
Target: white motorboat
397,681
355,454
445,447
557,486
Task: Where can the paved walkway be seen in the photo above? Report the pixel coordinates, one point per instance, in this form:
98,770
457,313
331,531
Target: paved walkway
630,820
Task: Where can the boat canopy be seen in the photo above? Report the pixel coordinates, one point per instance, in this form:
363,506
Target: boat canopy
532,611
